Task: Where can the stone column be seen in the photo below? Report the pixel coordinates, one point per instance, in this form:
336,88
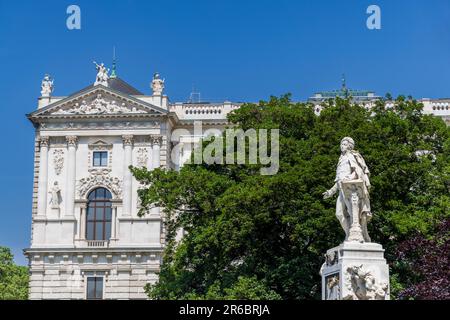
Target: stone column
43,177
156,146
82,234
71,175
180,155
114,223
156,163
150,156
127,177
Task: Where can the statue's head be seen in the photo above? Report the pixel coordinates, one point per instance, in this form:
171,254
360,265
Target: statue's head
347,144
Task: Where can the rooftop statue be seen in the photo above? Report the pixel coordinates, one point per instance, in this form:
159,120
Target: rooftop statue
157,84
102,74
46,86
352,183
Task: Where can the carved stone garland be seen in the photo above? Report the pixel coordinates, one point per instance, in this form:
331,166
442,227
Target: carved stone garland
142,157
98,179
58,160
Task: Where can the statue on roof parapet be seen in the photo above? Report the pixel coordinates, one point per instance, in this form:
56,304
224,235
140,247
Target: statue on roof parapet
102,75
157,84
46,86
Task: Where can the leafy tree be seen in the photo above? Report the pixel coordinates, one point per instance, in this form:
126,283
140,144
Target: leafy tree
252,236
13,278
425,264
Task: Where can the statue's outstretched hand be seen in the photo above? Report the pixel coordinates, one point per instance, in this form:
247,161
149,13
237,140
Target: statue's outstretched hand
327,194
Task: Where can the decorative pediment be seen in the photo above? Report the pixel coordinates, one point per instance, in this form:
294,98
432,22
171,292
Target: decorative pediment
100,145
99,105
99,100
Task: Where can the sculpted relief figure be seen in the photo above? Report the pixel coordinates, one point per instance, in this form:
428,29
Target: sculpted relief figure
55,193
362,285
351,167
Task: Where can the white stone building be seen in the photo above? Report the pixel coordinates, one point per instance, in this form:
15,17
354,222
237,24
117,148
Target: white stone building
367,99
87,239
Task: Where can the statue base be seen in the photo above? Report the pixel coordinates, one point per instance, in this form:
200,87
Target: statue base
55,212
355,271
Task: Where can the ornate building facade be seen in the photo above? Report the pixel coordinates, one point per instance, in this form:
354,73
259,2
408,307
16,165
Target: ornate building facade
87,240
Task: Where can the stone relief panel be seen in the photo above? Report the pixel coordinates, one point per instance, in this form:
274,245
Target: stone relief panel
142,157
332,287
99,105
58,160
363,286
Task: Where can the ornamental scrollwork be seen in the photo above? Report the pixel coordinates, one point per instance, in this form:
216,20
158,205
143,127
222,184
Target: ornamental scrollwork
127,140
98,179
156,140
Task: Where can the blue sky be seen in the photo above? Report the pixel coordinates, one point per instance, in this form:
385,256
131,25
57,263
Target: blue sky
235,50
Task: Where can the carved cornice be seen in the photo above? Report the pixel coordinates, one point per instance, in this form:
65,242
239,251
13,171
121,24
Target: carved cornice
71,141
102,124
127,140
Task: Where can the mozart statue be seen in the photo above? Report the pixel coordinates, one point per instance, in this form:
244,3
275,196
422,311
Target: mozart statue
351,168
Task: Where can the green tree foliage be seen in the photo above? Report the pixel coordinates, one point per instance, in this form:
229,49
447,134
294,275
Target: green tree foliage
250,236
13,278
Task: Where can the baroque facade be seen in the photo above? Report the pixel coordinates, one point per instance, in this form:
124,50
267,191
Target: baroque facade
87,241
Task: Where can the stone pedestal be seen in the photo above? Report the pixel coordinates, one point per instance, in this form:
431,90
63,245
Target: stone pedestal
55,212
355,271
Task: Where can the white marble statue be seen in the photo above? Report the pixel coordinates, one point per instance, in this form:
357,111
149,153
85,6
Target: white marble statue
46,86
102,74
352,168
157,84
55,192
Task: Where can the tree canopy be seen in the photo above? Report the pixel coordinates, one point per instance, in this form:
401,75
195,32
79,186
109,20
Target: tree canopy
251,236
13,278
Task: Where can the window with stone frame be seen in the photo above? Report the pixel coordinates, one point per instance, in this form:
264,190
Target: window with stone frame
94,288
99,215
100,159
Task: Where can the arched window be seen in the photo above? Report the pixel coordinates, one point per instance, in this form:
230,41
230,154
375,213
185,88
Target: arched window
99,212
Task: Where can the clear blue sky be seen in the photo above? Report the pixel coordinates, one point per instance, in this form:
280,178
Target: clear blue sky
236,50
